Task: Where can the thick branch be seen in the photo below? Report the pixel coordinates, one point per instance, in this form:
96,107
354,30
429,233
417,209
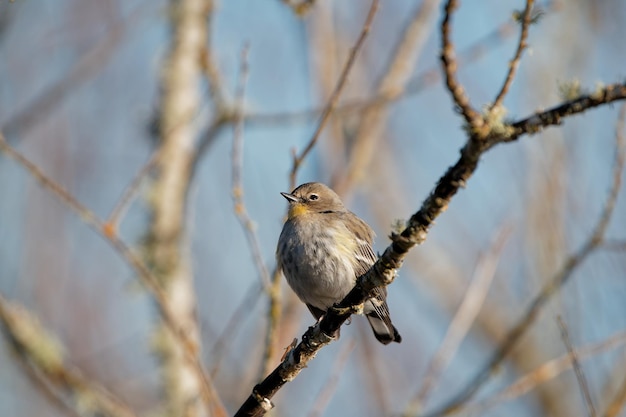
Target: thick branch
384,270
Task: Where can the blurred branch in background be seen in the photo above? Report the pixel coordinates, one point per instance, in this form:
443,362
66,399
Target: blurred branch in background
131,190
85,68
268,284
166,247
42,354
330,386
247,224
553,286
542,374
144,274
580,375
298,159
391,85
463,319
223,114
429,78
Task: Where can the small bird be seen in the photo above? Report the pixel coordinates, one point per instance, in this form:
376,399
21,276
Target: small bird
323,249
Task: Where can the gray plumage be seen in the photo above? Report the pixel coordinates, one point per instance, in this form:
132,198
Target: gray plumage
323,249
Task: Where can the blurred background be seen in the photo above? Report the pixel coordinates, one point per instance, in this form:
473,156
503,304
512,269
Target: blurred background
81,93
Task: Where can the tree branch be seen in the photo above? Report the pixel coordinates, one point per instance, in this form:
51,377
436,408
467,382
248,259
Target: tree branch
514,63
40,350
593,242
448,59
580,375
383,272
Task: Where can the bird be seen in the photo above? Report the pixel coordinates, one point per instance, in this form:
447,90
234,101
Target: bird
322,250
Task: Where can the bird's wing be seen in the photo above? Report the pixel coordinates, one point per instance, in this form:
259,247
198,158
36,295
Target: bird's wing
365,258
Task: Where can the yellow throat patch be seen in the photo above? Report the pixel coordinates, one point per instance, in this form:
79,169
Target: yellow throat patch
296,209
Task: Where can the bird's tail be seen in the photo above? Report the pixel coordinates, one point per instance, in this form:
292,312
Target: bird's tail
384,331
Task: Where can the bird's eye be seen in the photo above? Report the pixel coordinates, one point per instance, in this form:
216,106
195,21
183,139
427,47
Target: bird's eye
313,197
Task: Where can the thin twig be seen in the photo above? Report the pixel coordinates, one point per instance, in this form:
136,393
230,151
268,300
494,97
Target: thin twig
462,321
537,122
448,59
332,101
544,373
514,63
330,387
142,271
209,65
118,212
274,312
554,285
269,285
578,370
247,224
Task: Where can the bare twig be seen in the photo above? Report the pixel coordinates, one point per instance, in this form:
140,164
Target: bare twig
543,373
247,224
448,59
112,223
462,321
332,101
578,370
210,67
271,286
274,311
514,63
329,388
552,287
142,271
554,116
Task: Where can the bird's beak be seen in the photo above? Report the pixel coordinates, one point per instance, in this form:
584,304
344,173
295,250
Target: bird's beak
290,197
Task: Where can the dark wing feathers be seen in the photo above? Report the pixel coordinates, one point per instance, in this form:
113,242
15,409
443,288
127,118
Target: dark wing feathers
365,258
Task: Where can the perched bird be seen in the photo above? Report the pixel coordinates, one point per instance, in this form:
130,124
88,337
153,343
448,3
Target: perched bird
323,249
